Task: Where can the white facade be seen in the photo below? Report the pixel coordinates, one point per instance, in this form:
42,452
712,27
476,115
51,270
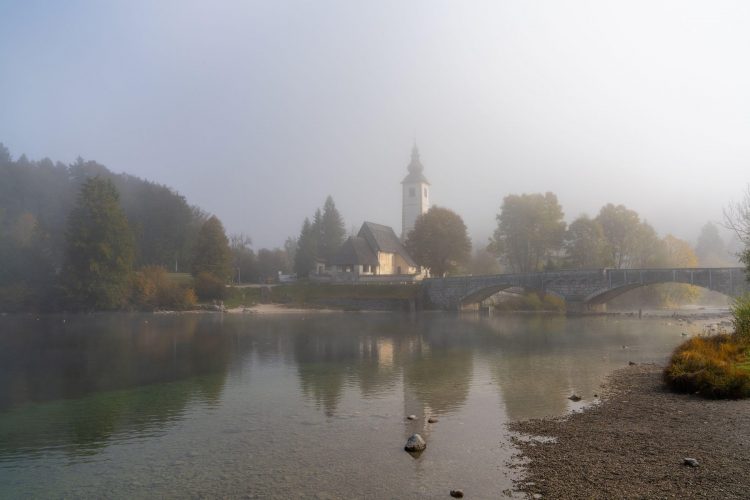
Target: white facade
416,194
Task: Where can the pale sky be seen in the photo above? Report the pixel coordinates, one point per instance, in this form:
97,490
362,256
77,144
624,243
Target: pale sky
256,111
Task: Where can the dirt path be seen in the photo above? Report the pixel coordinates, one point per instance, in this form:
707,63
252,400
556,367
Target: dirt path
633,445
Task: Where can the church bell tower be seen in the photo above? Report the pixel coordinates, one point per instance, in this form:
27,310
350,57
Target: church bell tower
416,194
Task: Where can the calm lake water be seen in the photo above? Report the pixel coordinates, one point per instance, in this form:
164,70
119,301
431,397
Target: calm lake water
290,406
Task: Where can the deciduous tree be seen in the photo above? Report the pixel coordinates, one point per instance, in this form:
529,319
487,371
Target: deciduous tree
439,241
530,229
585,245
99,249
212,254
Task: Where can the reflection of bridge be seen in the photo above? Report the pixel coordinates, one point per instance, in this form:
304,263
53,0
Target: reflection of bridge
582,290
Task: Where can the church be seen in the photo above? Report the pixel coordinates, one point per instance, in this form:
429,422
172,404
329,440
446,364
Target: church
376,251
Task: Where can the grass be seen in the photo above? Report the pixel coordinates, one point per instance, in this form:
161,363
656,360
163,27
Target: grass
306,293
714,367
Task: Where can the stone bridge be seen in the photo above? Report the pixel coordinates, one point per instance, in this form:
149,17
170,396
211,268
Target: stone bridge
582,290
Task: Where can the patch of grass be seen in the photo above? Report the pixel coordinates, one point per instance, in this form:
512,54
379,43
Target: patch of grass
714,367
306,293
246,296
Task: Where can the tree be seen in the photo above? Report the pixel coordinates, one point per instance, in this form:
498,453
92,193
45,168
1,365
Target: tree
620,226
439,241
710,248
99,249
244,262
307,250
271,263
585,245
483,262
530,229
212,254
332,232
737,218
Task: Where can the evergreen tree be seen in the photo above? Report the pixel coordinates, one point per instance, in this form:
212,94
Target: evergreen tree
99,249
306,254
332,232
212,254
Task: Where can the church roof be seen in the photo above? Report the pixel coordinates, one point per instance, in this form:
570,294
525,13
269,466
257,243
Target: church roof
381,238
355,251
415,168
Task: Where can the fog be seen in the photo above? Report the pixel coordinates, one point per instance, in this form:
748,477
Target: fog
255,111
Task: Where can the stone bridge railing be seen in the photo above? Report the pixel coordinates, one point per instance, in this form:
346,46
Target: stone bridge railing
580,288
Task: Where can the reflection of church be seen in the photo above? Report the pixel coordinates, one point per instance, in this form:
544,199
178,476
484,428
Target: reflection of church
376,253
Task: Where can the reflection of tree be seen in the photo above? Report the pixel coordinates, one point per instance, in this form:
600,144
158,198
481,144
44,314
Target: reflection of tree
537,362
439,379
90,378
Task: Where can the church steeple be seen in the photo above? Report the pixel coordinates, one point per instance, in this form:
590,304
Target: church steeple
416,199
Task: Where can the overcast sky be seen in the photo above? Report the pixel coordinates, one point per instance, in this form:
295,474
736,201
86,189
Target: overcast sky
255,111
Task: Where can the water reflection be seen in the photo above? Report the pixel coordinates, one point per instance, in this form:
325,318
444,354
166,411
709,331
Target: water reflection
72,384
294,399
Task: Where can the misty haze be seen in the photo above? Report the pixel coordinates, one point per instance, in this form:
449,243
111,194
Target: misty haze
422,249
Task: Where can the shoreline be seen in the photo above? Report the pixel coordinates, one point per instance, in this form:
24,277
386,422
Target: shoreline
632,445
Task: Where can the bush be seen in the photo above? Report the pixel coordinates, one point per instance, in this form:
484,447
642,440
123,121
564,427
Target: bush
153,289
710,366
531,302
209,287
741,316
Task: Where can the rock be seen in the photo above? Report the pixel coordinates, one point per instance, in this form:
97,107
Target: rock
536,496
691,462
457,493
415,443
574,397
630,363
412,417
432,420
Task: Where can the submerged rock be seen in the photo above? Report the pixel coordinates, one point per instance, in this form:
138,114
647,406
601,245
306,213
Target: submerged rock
457,493
432,420
415,443
412,417
574,397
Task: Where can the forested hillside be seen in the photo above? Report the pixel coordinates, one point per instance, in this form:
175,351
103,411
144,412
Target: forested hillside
36,198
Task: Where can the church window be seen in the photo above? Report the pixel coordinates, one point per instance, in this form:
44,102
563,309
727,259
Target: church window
411,192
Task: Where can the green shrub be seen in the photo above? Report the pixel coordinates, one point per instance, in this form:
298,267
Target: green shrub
741,316
710,366
209,287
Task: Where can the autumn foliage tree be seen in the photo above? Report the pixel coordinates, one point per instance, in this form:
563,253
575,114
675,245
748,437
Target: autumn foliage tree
212,259
99,249
530,229
439,241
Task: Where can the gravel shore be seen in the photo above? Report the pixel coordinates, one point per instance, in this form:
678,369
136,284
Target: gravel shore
632,445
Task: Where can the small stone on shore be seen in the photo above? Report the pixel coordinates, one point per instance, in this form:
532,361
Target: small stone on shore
457,493
630,363
412,417
691,462
432,420
415,443
574,397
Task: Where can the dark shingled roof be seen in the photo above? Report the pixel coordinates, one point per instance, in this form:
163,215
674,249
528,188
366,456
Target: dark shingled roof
382,239
355,251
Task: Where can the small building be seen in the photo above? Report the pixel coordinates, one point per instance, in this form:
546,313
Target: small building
375,251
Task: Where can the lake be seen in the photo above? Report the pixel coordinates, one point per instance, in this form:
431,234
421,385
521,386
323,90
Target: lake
310,405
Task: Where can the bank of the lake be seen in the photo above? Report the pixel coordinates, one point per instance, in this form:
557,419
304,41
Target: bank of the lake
633,443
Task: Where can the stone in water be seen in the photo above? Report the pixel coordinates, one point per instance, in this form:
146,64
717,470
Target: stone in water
415,443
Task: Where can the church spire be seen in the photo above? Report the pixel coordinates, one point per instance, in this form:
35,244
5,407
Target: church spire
415,166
